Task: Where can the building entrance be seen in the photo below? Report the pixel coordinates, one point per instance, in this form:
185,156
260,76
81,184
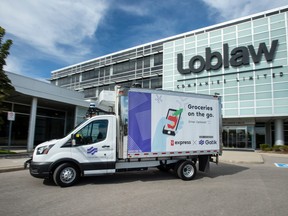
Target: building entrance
237,137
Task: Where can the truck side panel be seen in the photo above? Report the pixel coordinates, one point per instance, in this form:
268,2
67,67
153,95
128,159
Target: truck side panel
162,123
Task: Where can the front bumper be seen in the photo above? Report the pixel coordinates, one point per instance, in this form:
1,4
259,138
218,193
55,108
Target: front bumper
40,169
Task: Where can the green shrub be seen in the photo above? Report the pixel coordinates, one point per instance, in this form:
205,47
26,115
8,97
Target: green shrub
283,148
276,148
6,152
265,147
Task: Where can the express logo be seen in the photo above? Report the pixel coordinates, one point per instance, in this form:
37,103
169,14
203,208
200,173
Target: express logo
201,142
183,142
92,150
172,142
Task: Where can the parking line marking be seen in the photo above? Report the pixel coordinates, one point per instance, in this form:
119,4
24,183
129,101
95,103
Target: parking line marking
281,165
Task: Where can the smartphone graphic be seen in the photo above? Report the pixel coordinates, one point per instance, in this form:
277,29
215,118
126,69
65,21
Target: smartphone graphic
173,116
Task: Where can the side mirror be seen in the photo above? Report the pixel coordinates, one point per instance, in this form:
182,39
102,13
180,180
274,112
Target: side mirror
73,141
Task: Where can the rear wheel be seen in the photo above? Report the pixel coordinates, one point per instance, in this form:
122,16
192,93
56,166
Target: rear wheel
186,170
66,175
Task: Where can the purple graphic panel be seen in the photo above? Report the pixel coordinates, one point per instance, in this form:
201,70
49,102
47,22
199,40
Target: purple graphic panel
139,126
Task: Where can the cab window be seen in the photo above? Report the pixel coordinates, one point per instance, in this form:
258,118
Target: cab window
94,132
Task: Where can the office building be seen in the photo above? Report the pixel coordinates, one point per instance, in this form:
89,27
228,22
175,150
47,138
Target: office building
245,61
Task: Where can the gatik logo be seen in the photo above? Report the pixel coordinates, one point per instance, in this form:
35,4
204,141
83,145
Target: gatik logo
211,142
208,142
237,57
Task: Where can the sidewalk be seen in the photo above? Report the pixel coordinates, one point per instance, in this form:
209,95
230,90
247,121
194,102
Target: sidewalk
16,162
241,157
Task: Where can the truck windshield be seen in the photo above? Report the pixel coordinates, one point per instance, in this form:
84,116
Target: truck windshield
77,126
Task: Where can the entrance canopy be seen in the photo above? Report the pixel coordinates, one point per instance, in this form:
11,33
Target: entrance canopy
44,110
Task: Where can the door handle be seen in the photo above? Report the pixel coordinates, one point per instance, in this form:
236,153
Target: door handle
105,146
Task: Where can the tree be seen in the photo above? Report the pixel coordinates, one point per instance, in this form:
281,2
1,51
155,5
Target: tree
6,87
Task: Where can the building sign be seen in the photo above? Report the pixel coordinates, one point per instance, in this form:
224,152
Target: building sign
237,57
236,79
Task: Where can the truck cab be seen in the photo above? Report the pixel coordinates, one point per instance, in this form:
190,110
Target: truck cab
90,149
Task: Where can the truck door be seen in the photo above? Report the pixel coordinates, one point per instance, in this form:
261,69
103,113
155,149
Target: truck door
95,148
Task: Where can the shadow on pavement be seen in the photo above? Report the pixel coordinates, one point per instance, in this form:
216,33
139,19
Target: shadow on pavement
222,169
154,174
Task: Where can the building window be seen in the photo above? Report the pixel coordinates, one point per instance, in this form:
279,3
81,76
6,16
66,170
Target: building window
139,63
158,59
156,82
90,92
146,61
63,81
90,74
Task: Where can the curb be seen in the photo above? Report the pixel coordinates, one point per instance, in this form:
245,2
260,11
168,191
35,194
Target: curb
241,162
11,156
280,155
11,169
259,160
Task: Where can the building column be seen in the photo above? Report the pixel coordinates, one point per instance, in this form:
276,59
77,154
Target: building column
32,125
75,116
279,132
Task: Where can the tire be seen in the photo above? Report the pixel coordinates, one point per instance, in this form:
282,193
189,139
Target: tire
186,170
176,166
66,175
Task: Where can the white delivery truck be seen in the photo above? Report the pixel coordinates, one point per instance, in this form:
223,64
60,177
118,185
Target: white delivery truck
150,128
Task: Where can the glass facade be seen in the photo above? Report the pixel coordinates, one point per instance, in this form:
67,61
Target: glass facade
238,137
245,61
141,65
50,124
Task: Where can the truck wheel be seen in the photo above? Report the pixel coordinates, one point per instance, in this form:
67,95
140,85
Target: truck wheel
187,170
66,175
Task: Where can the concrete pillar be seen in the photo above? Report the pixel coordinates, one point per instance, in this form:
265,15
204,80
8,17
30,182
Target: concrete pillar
76,116
32,124
279,132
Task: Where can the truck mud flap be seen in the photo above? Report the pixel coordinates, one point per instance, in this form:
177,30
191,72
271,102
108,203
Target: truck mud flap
204,163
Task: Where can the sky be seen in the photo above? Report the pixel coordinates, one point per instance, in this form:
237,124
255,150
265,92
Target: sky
49,35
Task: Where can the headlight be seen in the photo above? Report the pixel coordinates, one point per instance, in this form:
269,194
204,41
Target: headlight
44,149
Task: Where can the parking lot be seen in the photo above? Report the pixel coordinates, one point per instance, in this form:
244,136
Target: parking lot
229,189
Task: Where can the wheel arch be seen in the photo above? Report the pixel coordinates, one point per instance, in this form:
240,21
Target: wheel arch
66,160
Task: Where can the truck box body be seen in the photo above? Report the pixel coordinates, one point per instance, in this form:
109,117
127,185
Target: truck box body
164,123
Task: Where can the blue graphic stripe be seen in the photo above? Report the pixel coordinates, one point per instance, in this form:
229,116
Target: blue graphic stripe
139,127
92,150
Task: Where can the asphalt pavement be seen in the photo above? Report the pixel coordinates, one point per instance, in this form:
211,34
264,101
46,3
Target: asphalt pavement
10,163
16,162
